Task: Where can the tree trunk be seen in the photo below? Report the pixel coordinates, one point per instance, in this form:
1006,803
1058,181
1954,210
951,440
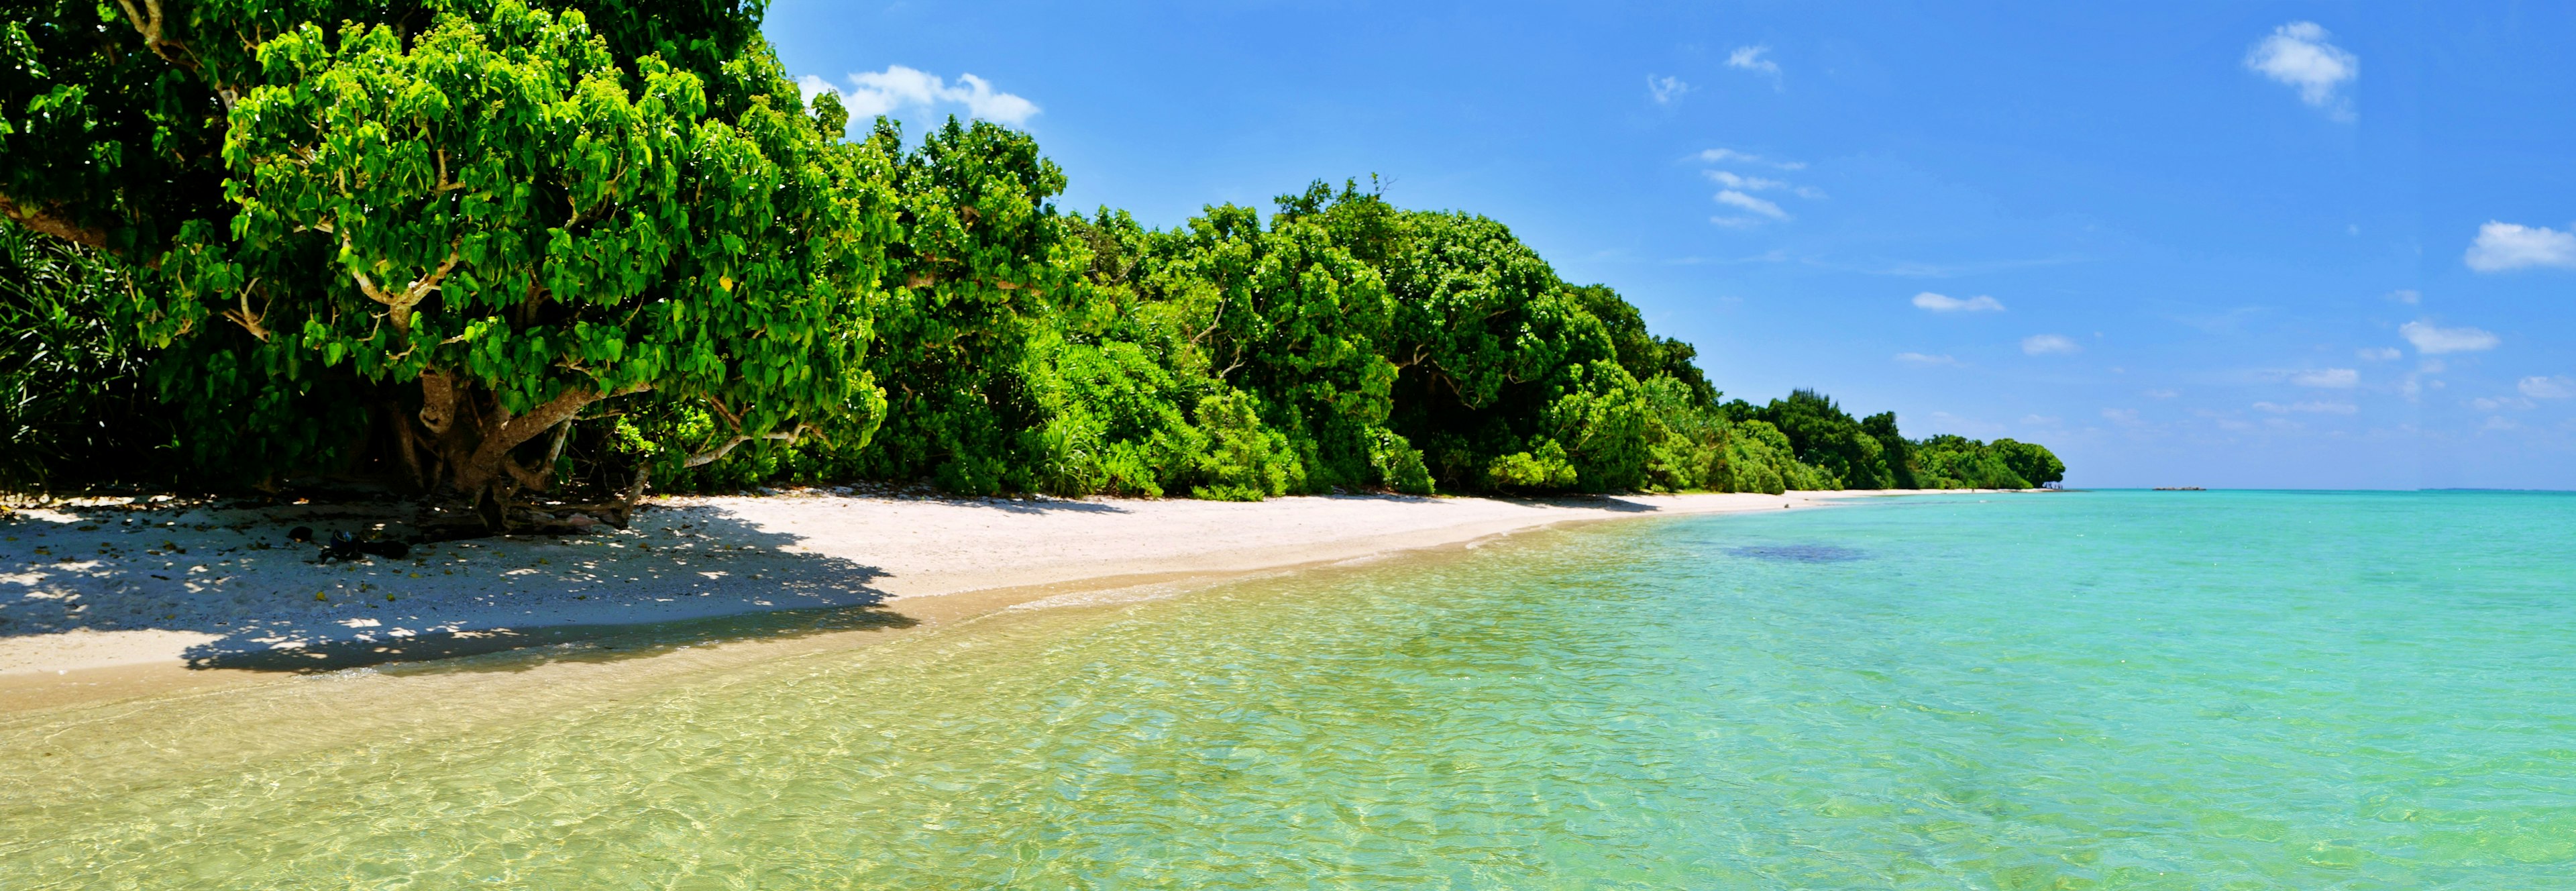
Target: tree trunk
462,443
405,446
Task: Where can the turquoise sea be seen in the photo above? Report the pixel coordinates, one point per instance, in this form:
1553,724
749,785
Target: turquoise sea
2080,690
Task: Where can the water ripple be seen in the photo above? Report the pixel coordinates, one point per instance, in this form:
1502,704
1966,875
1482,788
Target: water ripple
1797,553
2239,691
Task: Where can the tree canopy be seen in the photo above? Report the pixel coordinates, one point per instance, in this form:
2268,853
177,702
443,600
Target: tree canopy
529,255
438,236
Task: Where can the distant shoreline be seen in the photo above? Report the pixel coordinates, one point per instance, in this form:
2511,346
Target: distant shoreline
111,600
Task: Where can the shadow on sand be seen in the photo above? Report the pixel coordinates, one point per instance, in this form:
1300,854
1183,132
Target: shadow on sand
228,576
1040,505
1611,503
685,575
575,643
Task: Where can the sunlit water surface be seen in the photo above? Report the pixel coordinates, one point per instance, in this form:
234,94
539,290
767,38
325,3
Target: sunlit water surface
2090,690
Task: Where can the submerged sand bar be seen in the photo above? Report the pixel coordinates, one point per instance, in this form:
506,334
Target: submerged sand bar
167,588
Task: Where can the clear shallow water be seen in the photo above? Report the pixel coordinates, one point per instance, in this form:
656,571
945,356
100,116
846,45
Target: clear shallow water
2099,690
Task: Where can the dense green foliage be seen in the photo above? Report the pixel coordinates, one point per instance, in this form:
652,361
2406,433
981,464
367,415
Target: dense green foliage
1869,453
71,392
429,238
502,250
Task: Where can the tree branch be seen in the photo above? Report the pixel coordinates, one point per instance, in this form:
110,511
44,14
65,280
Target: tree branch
1218,318
528,479
148,24
563,407
1238,363
42,220
1420,352
711,456
247,319
411,294
731,419
445,184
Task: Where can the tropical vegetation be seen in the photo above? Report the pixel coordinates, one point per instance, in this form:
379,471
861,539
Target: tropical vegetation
536,256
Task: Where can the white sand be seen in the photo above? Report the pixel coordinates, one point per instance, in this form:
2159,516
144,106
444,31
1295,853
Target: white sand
170,584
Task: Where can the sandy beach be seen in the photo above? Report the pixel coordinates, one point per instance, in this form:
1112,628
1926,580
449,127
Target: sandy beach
171,588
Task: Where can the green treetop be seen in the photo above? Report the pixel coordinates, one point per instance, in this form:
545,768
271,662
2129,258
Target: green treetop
442,233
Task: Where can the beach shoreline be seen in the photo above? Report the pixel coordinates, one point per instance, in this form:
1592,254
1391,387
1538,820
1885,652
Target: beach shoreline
115,598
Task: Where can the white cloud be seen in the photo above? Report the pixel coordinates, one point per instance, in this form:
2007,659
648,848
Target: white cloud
1733,180
1733,198
2553,387
1665,89
1739,188
2328,378
2298,54
2161,394
2322,408
1747,183
813,86
1942,303
2044,344
2501,423
982,102
2408,296
897,88
1724,155
2380,354
2430,340
2126,417
1925,359
2491,404
2501,246
1750,59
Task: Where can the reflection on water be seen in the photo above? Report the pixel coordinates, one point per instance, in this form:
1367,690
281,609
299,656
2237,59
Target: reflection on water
2064,691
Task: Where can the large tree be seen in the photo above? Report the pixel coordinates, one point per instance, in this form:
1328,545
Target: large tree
440,233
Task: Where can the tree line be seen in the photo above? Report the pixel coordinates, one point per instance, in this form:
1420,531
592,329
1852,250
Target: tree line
537,257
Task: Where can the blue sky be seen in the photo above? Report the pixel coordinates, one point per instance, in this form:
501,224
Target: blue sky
2223,244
